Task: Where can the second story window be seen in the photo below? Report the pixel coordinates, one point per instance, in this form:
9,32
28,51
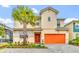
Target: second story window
49,19
58,23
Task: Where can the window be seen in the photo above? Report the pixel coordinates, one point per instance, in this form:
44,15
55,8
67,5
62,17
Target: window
37,23
58,25
49,19
23,35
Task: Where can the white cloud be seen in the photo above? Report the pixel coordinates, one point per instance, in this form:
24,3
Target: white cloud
70,19
7,22
35,10
4,5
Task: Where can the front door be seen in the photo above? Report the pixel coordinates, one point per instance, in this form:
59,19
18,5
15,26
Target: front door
37,37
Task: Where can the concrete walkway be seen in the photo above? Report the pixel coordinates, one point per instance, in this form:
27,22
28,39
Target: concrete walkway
26,50
51,49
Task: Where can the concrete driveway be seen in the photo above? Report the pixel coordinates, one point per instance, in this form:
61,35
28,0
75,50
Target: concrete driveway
62,48
57,48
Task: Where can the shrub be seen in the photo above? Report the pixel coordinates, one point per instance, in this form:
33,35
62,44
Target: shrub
3,45
40,46
37,45
74,41
70,42
33,45
20,45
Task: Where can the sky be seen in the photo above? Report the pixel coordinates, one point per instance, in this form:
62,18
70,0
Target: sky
70,12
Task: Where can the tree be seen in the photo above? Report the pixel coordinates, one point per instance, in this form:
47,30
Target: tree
2,31
24,15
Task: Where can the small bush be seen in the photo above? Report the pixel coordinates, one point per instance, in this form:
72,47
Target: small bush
18,43
3,45
33,45
74,41
70,42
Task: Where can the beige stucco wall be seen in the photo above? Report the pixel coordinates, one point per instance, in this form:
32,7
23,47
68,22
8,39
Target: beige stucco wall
52,31
38,26
62,23
17,24
16,36
70,30
31,37
44,19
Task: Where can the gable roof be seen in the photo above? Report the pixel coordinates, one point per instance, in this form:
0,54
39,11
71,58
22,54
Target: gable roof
49,8
61,29
6,27
29,29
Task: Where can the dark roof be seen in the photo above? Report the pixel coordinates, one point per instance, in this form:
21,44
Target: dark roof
6,27
61,29
48,8
71,22
61,19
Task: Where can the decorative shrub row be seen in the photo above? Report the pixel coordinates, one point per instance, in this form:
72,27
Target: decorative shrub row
20,45
3,45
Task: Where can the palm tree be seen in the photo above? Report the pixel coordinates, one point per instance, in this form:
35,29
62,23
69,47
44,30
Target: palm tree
24,15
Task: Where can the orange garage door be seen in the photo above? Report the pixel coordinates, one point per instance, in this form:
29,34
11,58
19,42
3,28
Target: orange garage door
54,38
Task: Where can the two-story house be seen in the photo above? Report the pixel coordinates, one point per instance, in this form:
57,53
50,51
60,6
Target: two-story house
48,29
73,29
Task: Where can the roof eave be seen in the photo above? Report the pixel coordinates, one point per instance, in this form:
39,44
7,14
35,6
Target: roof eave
60,18
49,8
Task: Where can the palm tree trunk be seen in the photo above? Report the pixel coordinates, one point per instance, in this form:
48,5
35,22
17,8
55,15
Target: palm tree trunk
25,33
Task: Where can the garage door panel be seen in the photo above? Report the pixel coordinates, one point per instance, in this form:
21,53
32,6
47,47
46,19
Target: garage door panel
54,38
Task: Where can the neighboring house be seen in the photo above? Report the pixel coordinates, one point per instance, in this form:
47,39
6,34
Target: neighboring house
73,29
8,34
48,29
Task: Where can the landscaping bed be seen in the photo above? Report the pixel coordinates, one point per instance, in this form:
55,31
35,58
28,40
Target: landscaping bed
20,45
3,45
74,41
